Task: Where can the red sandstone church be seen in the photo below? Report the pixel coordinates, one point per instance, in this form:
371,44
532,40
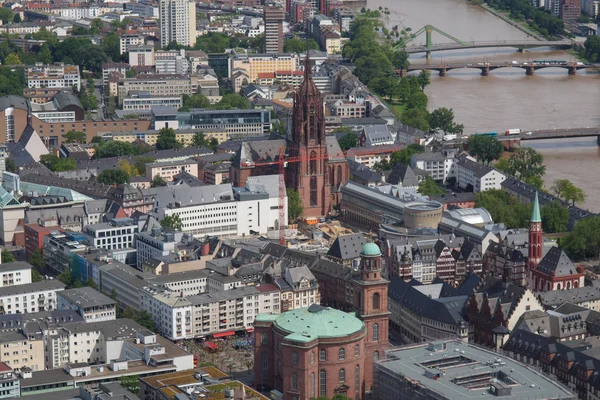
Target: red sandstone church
320,351
316,166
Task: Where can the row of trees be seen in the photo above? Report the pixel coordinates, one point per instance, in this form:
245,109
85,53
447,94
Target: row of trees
401,156
591,48
227,102
538,19
508,210
58,164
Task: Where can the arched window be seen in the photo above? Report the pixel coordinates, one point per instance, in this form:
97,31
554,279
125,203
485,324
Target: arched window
376,301
312,385
568,285
376,356
311,123
312,357
342,375
294,358
558,287
357,350
376,332
313,191
342,355
331,180
322,383
313,163
339,175
576,284
357,380
548,286
264,365
295,381
322,355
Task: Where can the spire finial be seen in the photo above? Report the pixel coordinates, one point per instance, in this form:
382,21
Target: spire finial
307,66
535,214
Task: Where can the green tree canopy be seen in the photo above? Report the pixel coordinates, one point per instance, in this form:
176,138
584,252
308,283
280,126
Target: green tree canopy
195,101
158,181
565,190
6,15
504,208
140,163
526,163
113,177
12,59
37,260
428,187
167,139
583,242
75,137
232,100
297,45
295,207
555,217
57,164
116,148
7,257
442,119
485,148
348,141
171,221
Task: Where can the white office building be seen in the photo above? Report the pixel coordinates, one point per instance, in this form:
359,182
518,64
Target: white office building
15,273
116,234
33,297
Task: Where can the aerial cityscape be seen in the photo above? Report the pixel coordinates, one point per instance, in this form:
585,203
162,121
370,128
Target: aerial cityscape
299,199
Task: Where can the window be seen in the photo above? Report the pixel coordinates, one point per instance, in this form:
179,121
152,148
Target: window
376,332
312,385
264,365
376,301
322,355
342,375
312,357
342,355
294,381
294,358
322,383
356,350
376,356
357,380
264,338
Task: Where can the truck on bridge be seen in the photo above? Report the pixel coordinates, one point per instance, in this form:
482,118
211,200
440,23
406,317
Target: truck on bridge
515,131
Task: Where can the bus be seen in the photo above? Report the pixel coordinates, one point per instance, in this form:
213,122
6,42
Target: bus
490,134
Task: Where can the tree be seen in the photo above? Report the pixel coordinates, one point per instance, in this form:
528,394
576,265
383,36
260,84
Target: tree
504,208
592,48
91,283
167,139
66,277
296,45
171,221
75,137
295,207
129,313
44,55
232,100
565,190
485,148
128,168
195,101
132,74
6,15
555,217
583,242
424,79
417,118
113,294
17,18
130,383
140,163
428,187
116,148
6,257
348,141
57,164
145,319
526,163
113,177
200,140
36,276
12,59
37,260
403,156
442,119
10,165
158,181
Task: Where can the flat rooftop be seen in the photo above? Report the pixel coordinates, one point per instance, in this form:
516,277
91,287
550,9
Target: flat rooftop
86,297
468,372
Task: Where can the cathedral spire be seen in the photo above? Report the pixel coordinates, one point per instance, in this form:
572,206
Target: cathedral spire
535,215
307,66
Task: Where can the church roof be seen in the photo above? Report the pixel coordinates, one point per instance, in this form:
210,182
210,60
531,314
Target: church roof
557,261
347,247
370,249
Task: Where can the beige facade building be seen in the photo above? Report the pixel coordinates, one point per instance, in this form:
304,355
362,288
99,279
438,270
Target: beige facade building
255,64
18,351
156,85
184,136
168,169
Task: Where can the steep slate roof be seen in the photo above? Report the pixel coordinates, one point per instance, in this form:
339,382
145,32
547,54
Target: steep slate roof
65,99
347,247
479,170
28,149
13,101
557,261
403,174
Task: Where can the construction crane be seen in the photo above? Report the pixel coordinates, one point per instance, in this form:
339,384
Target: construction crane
282,162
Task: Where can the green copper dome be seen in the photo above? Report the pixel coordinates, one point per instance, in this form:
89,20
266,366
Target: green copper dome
370,249
316,321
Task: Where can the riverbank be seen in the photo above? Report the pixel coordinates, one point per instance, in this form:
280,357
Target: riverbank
517,24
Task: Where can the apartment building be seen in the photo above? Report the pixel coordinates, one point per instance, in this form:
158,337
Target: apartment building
56,75
92,305
120,69
274,15
127,41
116,234
169,169
472,175
171,62
177,22
156,243
299,288
219,313
156,85
255,64
33,297
141,55
9,382
144,101
439,165
237,123
19,350
23,28
15,273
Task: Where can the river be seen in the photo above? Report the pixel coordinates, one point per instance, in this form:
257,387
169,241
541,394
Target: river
508,98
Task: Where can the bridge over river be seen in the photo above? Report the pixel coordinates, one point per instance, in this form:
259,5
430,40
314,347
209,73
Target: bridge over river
510,141
485,68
